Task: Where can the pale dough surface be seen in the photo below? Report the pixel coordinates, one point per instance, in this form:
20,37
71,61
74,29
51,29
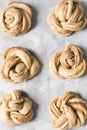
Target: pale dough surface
67,17
18,65
15,109
16,18
42,42
68,111
68,63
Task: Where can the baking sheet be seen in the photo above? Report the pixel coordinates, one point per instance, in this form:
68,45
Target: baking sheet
42,42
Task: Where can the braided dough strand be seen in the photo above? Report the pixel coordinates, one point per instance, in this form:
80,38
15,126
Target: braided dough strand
15,109
67,17
68,111
68,63
16,18
18,65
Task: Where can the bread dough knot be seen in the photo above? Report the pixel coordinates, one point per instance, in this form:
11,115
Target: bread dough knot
16,18
15,109
67,17
68,111
68,63
18,65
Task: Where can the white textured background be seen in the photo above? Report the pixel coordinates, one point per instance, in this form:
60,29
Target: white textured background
43,43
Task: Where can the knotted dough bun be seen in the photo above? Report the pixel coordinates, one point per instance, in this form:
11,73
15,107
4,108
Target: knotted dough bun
69,63
15,109
67,17
18,65
68,111
16,18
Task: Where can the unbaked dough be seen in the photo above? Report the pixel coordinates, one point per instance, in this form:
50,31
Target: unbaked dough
18,65
67,17
15,109
68,63
68,110
16,18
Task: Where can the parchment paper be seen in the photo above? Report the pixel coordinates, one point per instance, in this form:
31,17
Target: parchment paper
42,42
